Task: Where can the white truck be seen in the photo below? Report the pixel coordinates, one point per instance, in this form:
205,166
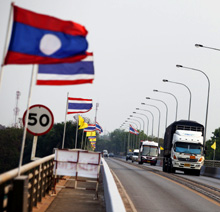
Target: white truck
183,147
148,152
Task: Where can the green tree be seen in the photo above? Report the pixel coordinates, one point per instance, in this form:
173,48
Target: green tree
210,152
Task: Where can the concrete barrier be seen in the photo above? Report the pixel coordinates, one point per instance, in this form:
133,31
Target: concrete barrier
113,199
210,172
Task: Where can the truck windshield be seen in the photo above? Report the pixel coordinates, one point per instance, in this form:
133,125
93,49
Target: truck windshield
150,150
188,148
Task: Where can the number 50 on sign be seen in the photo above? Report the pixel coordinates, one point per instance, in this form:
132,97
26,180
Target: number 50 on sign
40,120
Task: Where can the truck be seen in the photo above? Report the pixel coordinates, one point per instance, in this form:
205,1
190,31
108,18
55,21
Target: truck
148,152
183,147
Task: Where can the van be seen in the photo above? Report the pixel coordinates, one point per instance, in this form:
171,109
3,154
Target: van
135,155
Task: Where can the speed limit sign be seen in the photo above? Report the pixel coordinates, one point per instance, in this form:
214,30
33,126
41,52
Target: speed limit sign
40,120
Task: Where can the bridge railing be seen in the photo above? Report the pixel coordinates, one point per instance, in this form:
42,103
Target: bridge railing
35,182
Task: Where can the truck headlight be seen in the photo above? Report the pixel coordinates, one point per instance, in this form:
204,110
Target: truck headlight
201,159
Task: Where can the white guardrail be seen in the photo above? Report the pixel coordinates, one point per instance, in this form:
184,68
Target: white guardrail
113,199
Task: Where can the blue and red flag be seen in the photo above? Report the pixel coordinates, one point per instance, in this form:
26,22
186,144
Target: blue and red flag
90,128
67,73
79,105
43,39
133,131
99,128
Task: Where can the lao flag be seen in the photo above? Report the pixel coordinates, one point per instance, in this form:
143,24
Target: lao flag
42,39
67,73
79,105
133,131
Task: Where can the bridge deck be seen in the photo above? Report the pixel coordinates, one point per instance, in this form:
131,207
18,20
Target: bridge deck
77,200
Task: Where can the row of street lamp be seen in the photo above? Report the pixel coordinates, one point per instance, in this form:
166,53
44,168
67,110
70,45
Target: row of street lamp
135,118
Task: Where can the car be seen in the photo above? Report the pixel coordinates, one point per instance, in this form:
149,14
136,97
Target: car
129,155
135,155
105,153
111,154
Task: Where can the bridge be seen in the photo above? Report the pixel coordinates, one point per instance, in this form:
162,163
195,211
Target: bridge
26,192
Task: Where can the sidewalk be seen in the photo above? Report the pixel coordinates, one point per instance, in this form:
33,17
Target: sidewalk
69,199
77,200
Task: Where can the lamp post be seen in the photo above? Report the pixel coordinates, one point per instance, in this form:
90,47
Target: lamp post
152,118
190,94
132,123
147,121
139,118
200,45
207,103
158,118
165,106
174,98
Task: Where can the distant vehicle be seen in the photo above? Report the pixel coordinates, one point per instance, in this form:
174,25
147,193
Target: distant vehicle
135,155
183,147
129,155
105,153
111,154
148,152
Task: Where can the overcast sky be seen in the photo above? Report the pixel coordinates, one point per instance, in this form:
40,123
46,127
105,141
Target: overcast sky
136,44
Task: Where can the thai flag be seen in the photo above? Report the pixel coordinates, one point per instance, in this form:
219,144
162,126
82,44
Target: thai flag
99,128
42,39
90,128
66,73
79,105
133,131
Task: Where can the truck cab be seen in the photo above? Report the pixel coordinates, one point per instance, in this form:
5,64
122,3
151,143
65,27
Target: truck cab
148,152
187,150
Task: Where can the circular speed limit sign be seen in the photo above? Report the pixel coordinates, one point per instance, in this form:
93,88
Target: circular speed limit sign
40,120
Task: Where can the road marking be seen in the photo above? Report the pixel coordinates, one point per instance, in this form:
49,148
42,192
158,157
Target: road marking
133,209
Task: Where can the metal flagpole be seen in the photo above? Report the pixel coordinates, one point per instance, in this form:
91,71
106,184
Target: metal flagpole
82,139
77,121
64,130
26,122
6,43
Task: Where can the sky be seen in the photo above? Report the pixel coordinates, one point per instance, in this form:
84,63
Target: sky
136,44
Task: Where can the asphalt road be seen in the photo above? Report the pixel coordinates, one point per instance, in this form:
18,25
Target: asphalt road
152,193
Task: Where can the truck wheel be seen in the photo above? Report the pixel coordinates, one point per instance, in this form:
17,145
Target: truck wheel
132,161
140,162
164,166
169,165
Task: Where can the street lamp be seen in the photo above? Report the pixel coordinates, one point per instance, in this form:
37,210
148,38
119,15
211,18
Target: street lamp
200,45
207,104
165,106
147,120
139,118
171,95
190,94
132,123
158,119
152,118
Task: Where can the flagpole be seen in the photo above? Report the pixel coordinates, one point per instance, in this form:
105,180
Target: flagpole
82,139
6,42
26,122
76,131
64,130
96,109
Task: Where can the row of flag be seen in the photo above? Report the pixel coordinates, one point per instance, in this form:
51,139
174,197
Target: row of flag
59,48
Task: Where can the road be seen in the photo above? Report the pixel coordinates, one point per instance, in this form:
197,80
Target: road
150,192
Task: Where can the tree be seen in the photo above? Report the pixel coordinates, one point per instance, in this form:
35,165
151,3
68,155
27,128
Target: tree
210,152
